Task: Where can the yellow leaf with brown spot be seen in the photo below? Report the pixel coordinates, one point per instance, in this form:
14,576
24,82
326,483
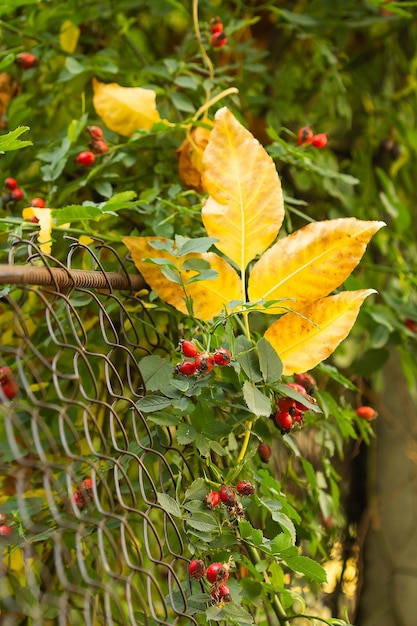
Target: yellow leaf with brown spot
304,339
209,297
245,208
44,217
125,109
310,263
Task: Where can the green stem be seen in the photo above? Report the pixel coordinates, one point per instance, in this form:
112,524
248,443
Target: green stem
275,601
202,49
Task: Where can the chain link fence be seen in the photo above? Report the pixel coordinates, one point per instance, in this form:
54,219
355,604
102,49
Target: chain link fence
81,467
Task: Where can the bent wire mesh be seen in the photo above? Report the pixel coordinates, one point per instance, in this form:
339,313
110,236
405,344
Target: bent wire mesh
81,466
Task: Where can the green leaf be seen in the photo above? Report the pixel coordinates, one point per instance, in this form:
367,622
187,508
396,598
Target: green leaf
196,264
10,140
247,358
163,420
258,403
269,361
75,212
197,490
205,275
119,201
156,371
150,404
189,246
169,505
186,434
171,274
309,568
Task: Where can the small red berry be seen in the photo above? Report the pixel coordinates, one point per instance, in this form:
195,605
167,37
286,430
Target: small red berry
218,39
286,404
79,499
17,194
306,381
304,135
217,573
26,60
38,203
264,452
5,374
10,183
221,593
212,499
95,132
411,324
87,484
204,363
188,348
283,420
197,569
186,368
245,488
99,146
227,495
216,25
366,413
222,356
320,140
297,387
85,158
5,531
9,389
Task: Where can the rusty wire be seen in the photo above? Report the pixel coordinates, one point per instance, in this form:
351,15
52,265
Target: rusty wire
114,556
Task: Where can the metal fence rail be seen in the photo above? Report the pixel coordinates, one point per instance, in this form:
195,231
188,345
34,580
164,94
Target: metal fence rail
80,465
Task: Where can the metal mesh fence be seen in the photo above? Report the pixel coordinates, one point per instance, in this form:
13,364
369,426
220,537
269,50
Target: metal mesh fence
80,465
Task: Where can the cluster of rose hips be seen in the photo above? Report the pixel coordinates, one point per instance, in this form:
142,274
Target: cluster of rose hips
26,60
306,137
11,192
289,413
218,36
8,385
5,530
97,145
227,495
216,574
81,497
202,362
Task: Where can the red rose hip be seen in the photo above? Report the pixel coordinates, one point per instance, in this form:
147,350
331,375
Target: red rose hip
212,499
217,573
197,569
188,348
264,452
366,413
86,158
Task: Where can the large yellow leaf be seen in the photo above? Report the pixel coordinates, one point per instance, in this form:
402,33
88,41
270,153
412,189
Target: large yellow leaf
209,296
304,342
312,262
125,109
245,208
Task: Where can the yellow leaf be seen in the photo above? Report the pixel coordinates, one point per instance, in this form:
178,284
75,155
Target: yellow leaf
44,217
304,340
68,36
310,263
209,296
125,109
190,158
245,208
